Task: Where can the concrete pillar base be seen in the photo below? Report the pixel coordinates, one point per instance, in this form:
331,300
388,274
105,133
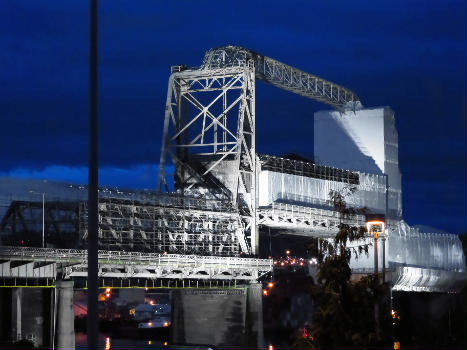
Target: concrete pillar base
16,313
29,317
209,316
65,328
254,315
226,319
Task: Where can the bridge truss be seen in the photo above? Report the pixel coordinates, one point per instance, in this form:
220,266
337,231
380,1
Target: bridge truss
23,222
282,76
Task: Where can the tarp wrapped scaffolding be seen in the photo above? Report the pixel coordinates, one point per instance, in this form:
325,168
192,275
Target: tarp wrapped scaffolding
370,190
425,262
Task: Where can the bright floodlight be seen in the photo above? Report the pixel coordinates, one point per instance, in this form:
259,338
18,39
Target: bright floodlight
375,227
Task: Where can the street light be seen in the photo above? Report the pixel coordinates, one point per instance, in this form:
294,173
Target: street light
375,226
43,216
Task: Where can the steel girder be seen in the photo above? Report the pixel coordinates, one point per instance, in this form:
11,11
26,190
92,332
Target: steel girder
209,136
282,76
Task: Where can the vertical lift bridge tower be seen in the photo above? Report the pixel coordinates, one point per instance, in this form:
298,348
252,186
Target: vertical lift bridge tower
209,127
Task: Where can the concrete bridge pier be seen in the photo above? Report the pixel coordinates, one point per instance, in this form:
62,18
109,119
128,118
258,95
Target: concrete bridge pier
16,313
43,316
225,318
26,314
254,314
64,321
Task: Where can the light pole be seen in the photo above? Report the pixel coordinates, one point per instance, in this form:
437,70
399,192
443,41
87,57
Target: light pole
376,227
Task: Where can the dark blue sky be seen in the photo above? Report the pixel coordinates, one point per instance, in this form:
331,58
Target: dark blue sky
409,55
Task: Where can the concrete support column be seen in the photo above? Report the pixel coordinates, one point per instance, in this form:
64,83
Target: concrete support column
34,323
255,313
16,303
210,317
65,329
52,318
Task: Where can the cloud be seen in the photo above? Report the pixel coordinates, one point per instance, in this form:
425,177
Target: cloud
141,176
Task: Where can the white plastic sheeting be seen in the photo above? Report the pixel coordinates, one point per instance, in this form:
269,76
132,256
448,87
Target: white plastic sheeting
417,279
364,262
415,261
365,140
275,186
371,132
409,247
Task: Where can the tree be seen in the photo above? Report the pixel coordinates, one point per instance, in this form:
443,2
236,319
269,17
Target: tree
344,312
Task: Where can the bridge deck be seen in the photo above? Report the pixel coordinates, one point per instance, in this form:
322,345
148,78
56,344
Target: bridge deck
33,263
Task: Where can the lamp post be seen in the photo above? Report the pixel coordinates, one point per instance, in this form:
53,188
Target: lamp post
376,227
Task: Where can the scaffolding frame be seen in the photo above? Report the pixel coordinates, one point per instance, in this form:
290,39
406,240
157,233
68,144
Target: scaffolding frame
172,224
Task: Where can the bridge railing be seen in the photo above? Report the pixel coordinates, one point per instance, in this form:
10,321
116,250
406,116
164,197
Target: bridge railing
129,258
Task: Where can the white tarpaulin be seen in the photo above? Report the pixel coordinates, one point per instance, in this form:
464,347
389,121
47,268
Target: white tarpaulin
276,186
410,247
416,261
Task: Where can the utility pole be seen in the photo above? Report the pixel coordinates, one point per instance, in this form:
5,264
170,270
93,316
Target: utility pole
92,316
